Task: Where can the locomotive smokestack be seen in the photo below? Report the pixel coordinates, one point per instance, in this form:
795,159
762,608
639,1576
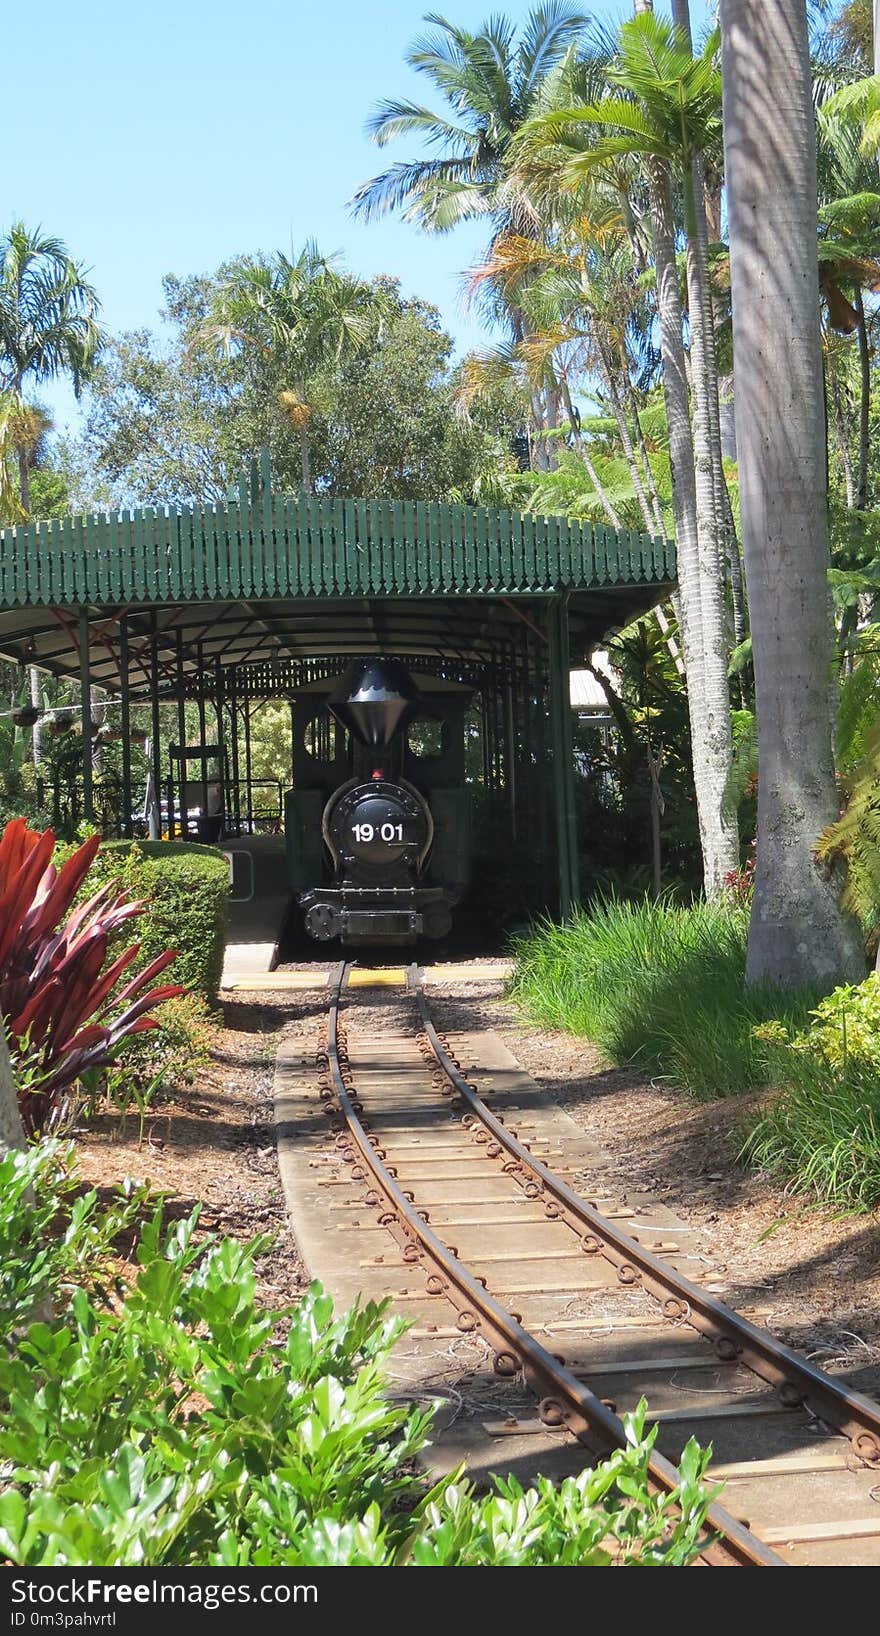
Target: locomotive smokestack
375,699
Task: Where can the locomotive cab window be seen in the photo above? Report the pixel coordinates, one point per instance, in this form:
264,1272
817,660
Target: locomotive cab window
320,739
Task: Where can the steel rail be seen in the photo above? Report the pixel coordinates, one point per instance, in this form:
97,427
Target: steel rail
565,1402
797,1380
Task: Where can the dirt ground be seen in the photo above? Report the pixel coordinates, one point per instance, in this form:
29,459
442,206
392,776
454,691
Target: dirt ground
214,1142
818,1274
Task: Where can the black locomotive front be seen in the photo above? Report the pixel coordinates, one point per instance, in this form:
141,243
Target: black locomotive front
377,827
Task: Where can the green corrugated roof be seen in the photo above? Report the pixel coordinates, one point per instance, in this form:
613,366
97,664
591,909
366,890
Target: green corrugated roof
278,578
264,545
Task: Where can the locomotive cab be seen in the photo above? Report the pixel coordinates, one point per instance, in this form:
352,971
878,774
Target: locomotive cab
380,855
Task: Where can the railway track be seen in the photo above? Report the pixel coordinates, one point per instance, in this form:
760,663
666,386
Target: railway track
410,1128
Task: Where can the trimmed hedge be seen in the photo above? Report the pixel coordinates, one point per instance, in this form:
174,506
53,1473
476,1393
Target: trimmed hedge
188,888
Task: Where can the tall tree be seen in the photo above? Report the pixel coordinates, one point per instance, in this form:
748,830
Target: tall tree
799,934
492,82
48,327
171,421
661,109
48,321
306,313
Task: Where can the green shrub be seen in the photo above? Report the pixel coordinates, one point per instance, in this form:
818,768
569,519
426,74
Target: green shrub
657,984
53,1234
820,1131
180,1047
846,1025
184,1425
188,889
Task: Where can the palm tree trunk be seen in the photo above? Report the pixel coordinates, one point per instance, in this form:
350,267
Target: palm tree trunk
36,695
580,441
539,446
305,463
799,935
34,684
707,466
645,465
606,372
842,434
24,480
864,403
11,1133
718,839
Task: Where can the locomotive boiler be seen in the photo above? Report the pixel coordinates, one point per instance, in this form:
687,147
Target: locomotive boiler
378,823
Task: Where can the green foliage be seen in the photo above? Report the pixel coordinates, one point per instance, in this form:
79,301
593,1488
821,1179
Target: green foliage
600,1518
183,1425
846,1026
174,421
658,985
187,888
393,430
180,1047
855,836
156,1063
743,775
491,83
819,1132
169,422
614,792
54,1234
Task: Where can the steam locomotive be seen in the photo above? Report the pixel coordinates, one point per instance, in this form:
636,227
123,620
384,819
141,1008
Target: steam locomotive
378,820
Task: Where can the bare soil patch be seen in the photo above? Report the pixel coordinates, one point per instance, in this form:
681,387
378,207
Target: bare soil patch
213,1142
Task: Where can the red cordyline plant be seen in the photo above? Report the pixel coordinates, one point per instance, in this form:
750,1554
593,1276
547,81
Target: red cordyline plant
61,1004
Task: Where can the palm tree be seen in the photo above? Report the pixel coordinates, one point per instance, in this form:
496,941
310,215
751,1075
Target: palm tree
662,107
799,935
48,323
577,290
491,86
306,312
491,83
48,327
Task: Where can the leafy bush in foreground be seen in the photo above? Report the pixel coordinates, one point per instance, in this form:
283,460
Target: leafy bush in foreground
178,1425
657,984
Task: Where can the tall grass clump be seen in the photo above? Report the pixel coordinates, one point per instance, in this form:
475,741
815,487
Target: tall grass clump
819,1134
657,984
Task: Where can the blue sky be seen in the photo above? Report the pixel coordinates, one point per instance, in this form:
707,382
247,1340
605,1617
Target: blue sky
167,137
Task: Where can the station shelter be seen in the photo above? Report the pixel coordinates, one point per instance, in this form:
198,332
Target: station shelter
258,598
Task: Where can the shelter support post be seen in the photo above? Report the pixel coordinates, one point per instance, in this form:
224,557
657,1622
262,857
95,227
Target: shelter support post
203,735
510,746
85,691
563,756
182,819
233,739
155,809
221,742
127,830
247,767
